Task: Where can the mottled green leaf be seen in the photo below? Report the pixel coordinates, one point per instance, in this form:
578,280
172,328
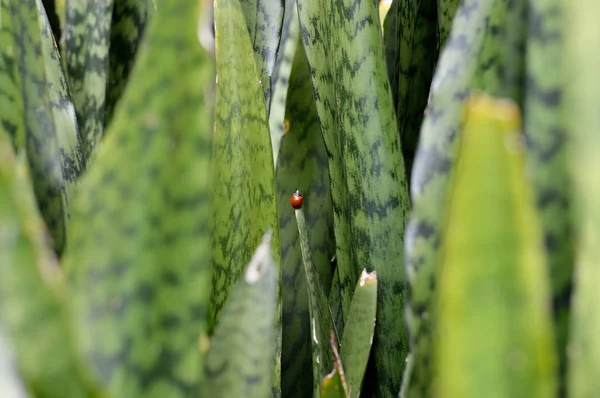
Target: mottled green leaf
128,23
43,150
245,202
32,293
582,122
321,322
546,155
435,156
87,40
345,51
63,112
138,263
446,10
410,33
302,165
264,19
240,360
335,300
11,383
358,333
495,336
53,20
334,384
281,75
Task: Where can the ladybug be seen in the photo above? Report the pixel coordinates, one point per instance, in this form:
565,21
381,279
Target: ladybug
297,200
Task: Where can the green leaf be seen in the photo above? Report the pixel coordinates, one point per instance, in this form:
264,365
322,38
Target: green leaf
334,384
581,119
54,22
87,40
495,336
128,24
281,74
345,51
435,156
547,157
321,322
139,260
410,32
240,360
302,165
32,294
446,10
358,334
245,198
264,19
63,111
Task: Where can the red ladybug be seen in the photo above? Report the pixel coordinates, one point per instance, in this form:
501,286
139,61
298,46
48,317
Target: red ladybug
297,200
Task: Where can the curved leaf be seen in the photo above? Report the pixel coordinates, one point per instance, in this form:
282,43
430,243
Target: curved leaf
240,360
493,289
139,260
435,156
345,51
547,157
582,122
302,165
32,294
87,39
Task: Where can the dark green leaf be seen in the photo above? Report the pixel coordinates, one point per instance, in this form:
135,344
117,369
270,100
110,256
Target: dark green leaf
240,360
446,10
302,165
546,155
87,39
434,160
139,260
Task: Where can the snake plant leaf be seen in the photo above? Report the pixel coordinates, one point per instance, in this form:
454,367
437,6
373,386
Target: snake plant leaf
32,290
493,287
582,121
547,157
240,360
321,322
128,24
63,111
53,20
410,33
11,383
446,10
139,263
87,40
245,202
281,76
434,159
43,150
302,165
358,333
264,19
345,52
334,384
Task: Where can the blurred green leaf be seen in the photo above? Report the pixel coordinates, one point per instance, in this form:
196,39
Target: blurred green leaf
410,33
281,76
264,19
139,260
302,165
434,159
321,322
446,10
359,330
240,360
334,384
87,40
128,24
32,293
582,121
547,158
11,383
345,52
495,336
